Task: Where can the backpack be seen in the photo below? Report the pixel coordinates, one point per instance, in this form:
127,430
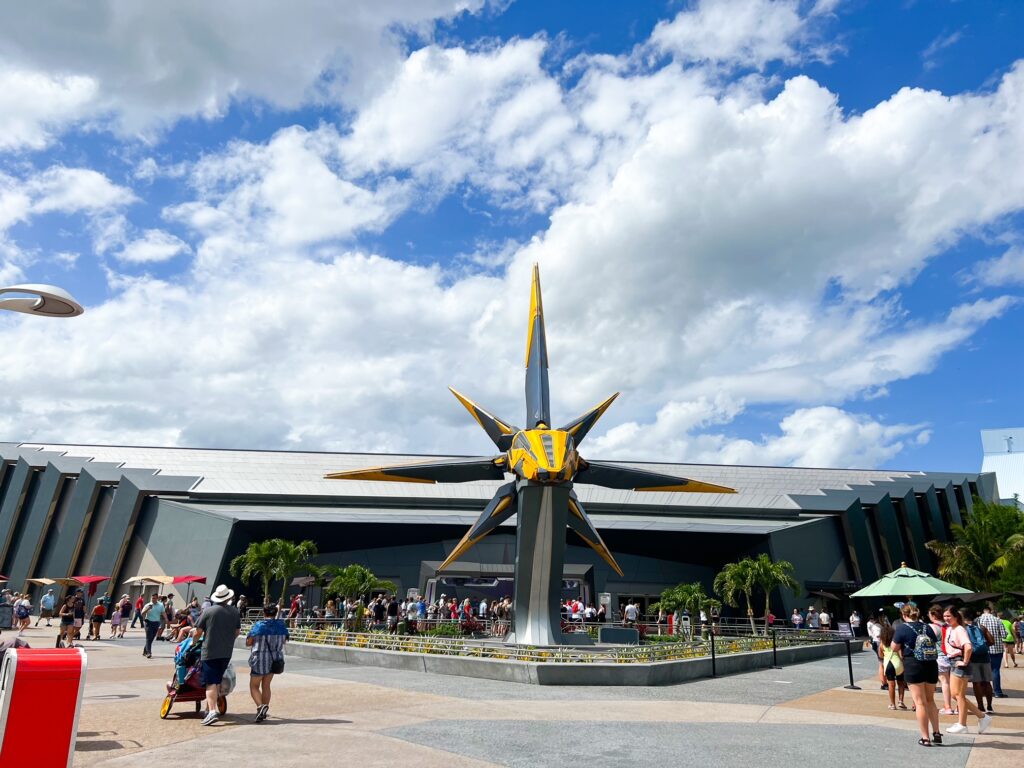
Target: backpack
924,646
977,638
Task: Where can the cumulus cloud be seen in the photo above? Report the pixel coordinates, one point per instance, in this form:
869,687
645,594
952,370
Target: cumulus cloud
822,436
712,249
145,67
56,190
748,33
496,117
155,245
1007,269
34,104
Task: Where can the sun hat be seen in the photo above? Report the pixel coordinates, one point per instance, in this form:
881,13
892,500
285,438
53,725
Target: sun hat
222,594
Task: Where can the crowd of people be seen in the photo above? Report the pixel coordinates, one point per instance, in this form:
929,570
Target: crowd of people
947,650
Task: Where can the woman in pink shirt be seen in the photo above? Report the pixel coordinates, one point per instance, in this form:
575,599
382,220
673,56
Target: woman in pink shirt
958,649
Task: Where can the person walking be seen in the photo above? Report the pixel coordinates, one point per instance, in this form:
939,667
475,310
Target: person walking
939,628
1009,643
152,616
981,665
139,602
996,632
126,613
892,663
917,643
46,603
218,627
266,639
67,622
959,650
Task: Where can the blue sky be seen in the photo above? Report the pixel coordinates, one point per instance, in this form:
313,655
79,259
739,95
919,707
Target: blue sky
789,232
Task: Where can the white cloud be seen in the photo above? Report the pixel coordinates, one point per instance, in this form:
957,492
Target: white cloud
57,190
711,249
33,104
148,66
284,194
822,436
495,118
72,190
748,33
154,246
1007,269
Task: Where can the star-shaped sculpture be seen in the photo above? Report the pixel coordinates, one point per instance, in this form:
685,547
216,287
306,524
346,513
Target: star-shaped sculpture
538,455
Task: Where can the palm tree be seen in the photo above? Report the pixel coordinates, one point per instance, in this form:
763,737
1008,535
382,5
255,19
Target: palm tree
258,560
690,596
770,575
354,581
289,559
981,548
737,579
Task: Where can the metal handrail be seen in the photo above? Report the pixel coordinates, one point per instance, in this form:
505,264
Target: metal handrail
465,647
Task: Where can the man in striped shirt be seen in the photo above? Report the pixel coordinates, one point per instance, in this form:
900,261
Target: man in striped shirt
991,622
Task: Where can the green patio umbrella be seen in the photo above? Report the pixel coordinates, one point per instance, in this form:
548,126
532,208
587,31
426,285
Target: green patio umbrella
907,582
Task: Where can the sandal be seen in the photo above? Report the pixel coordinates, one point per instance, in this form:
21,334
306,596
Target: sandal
892,707
936,738
902,706
924,742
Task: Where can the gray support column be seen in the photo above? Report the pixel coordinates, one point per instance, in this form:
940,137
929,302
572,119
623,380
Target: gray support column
968,509
540,559
69,535
889,530
119,525
19,488
912,516
951,504
929,502
28,543
858,542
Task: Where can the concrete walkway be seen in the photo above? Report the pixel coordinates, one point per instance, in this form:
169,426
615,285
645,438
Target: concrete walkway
324,713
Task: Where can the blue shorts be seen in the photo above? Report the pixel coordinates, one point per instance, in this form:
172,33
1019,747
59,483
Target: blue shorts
213,670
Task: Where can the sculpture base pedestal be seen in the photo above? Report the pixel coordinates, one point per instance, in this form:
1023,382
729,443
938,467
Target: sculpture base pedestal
541,519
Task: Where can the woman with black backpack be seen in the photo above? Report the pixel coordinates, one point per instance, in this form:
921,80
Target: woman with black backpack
960,650
917,643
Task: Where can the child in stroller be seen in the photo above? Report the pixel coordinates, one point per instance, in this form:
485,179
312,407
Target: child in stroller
187,683
186,659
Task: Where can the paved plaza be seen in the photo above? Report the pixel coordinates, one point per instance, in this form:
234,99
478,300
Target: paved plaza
323,713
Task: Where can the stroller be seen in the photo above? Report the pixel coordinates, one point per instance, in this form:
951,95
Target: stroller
187,684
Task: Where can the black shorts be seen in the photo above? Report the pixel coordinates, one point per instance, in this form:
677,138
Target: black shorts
890,674
916,672
213,670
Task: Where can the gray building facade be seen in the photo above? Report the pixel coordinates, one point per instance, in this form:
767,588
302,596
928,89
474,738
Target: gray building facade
124,511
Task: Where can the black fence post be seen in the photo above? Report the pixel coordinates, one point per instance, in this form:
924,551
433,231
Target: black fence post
711,632
849,664
775,653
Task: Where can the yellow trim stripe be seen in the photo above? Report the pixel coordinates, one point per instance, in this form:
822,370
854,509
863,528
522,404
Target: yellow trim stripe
691,486
501,506
536,310
375,474
600,547
591,416
475,411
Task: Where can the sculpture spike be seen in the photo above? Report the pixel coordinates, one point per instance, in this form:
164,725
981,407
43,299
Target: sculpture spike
538,405
500,432
497,511
580,522
579,428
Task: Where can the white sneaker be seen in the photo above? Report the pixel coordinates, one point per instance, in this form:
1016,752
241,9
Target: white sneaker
957,728
984,723
211,717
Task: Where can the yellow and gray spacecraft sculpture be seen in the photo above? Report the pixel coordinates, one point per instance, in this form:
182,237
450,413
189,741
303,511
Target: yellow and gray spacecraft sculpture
546,464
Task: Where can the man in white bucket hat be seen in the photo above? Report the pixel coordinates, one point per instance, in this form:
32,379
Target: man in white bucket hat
218,625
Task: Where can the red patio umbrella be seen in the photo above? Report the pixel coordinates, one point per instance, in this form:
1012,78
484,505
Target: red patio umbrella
91,581
190,580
